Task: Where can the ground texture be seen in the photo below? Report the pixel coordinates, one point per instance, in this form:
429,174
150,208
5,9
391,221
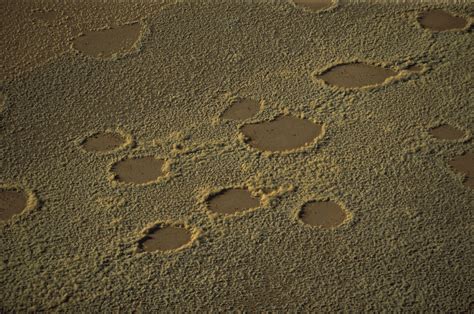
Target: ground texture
78,245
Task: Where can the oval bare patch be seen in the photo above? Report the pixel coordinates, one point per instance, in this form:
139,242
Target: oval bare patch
356,75
326,214
446,132
465,165
284,133
138,170
233,200
165,238
12,202
104,43
439,20
241,109
103,142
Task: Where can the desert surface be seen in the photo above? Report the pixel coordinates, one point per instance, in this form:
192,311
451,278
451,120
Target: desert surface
236,155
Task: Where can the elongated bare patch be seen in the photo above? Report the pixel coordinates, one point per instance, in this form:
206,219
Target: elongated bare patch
104,43
283,133
439,20
356,75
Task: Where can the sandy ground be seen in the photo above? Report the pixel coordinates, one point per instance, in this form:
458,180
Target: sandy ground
236,155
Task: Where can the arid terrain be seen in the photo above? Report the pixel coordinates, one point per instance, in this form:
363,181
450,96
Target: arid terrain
236,155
